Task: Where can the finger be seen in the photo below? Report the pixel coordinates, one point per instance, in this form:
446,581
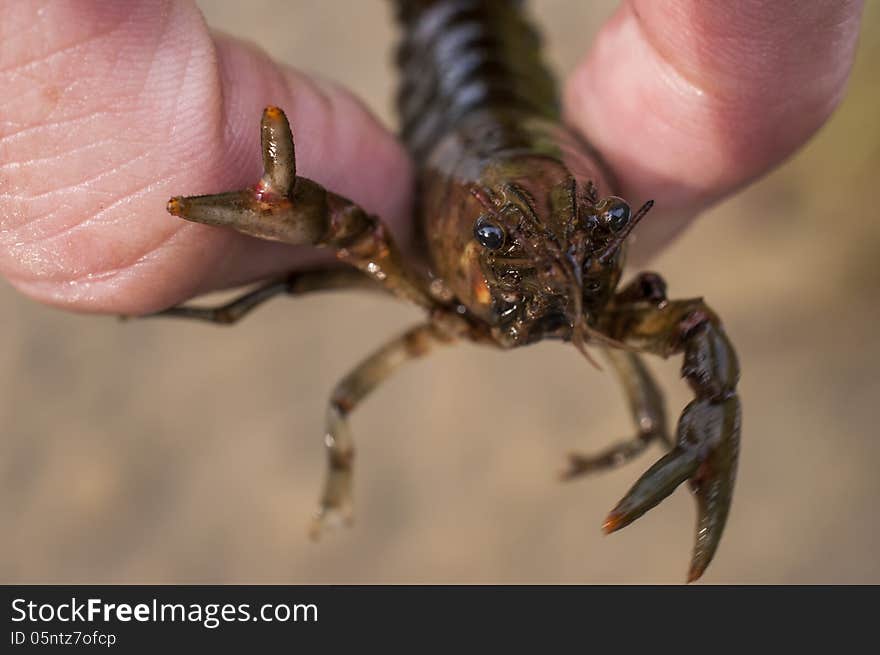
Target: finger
690,99
110,108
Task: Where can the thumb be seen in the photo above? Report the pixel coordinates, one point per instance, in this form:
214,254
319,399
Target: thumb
112,107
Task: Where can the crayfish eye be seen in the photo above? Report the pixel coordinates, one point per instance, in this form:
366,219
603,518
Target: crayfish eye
617,215
488,234
592,285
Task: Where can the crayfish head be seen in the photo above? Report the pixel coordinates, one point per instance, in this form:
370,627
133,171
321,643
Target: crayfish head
549,252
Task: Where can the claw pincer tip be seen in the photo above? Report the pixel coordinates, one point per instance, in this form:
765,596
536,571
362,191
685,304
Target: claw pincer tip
611,524
174,206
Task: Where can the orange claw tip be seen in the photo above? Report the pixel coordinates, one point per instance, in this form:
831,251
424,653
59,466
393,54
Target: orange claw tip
174,206
612,523
694,575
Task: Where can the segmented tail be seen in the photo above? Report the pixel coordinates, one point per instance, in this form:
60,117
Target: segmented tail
460,57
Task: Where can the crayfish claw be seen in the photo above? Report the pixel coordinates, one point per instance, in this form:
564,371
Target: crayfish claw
713,504
655,484
219,209
279,207
706,453
279,154
713,487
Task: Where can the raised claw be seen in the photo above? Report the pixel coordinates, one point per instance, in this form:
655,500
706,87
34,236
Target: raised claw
274,207
706,453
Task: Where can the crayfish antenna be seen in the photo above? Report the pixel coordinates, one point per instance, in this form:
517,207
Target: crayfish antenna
577,338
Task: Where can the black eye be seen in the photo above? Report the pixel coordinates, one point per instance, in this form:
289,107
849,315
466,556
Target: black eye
489,234
592,285
617,215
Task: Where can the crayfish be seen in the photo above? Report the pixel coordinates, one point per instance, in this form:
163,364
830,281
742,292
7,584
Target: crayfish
522,241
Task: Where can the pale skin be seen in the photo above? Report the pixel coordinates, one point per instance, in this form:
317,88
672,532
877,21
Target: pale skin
719,116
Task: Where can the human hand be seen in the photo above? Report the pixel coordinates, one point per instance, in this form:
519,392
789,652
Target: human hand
110,108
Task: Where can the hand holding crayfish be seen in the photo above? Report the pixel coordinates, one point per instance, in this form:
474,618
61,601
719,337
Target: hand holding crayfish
679,118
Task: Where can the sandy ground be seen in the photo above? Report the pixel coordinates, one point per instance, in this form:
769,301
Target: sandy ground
172,452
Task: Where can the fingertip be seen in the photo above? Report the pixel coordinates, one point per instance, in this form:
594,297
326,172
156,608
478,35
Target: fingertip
690,99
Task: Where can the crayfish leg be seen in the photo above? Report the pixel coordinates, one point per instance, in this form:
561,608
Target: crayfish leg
295,284
645,402
336,499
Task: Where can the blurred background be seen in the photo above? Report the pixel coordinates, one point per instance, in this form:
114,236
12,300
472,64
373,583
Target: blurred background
186,453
